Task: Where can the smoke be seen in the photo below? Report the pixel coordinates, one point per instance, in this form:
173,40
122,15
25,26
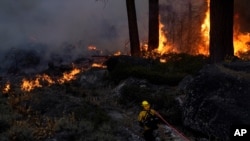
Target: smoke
57,21
68,27
243,10
182,20
64,26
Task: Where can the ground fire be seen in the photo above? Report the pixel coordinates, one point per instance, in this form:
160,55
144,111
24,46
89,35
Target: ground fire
28,85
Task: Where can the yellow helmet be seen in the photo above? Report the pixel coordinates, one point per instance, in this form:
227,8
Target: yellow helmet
144,103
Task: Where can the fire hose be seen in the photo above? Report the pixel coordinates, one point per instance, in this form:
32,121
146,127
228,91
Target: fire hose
174,129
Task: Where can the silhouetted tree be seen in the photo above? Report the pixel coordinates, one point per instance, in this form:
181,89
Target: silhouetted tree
153,30
133,29
221,29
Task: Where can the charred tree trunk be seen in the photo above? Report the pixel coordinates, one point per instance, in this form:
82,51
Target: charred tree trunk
221,30
153,30
133,29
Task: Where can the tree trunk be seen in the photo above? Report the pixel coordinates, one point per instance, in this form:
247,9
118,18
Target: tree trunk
221,30
153,30
133,29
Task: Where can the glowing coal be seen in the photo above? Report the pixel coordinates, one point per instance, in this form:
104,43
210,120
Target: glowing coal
6,88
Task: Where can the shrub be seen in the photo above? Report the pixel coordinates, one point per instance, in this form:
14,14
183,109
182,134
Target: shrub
171,72
4,125
21,133
131,94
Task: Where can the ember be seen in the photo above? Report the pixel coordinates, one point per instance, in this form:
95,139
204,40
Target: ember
117,53
91,47
6,89
98,65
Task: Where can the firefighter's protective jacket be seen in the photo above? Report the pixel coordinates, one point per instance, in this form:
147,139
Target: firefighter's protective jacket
143,115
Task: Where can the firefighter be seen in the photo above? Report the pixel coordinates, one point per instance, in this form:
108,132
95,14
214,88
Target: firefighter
148,120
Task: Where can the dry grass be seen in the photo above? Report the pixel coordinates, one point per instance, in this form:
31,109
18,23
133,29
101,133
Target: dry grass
23,122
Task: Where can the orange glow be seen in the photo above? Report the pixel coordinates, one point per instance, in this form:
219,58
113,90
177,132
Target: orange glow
241,40
6,89
162,39
91,47
117,53
97,65
47,78
163,60
69,76
241,43
163,47
205,28
28,85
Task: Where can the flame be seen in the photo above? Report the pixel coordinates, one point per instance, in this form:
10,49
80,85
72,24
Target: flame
98,65
28,85
164,47
69,76
205,28
241,40
6,89
241,43
47,78
117,53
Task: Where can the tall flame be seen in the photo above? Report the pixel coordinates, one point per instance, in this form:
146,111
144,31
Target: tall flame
241,40
164,46
205,28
